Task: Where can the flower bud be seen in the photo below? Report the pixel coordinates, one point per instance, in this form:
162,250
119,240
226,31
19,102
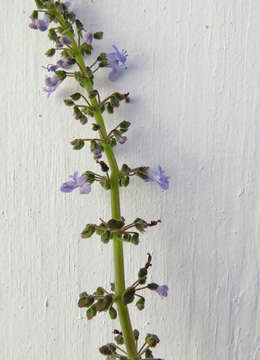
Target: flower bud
76,96
68,102
61,74
91,312
88,231
140,303
135,239
115,224
142,272
95,127
105,237
148,354
50,52
152,340
98,35
99,292
112,313
136,334
128,296
119,339
77,144
105,350
86,301
79,25
152,286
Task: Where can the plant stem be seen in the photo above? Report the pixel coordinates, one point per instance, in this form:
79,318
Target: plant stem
115,209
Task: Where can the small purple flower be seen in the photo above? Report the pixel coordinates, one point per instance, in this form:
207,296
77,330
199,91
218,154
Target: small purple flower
40,24
77,182
116,61
62,63
158,177
87,37
65,40
97,152
33,24
162,290
121,139
51,84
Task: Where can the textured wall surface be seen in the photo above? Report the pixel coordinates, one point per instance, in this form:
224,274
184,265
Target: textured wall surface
194,79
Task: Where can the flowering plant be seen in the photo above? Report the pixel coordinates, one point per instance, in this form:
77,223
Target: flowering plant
74,44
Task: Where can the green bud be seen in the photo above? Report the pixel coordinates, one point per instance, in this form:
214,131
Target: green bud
143,280
86,49
50,52
125,181
34,14
128,296
115,224
99,292
52,34
68,102
77,144
76,110
142,272
39,4
98,35
148,354
127,237
112,286
124,125
110,108
102,57
136,334
119,339
113,142
88,231
83,295
105,350
125,170
79,25
66,53
118,96
140,303
93,94
135,239
152,286
105,237
95,127
152,340
91,312
112,313
86,302
61,74
114,101
76,96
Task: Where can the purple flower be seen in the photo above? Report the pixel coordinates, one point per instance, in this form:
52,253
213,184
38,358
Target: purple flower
162,290
158,177
97,152
77,182
65,40
121,139
51,84
87,37
33,24
116,61
62,63
40,24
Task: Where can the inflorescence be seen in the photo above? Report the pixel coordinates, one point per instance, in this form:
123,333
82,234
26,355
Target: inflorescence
73,44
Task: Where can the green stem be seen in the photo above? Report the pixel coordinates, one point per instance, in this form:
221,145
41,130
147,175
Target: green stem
115,209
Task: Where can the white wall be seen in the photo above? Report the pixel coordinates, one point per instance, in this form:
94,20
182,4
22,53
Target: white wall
194,79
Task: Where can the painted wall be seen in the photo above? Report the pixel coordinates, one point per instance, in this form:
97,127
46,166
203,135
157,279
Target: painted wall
194,81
